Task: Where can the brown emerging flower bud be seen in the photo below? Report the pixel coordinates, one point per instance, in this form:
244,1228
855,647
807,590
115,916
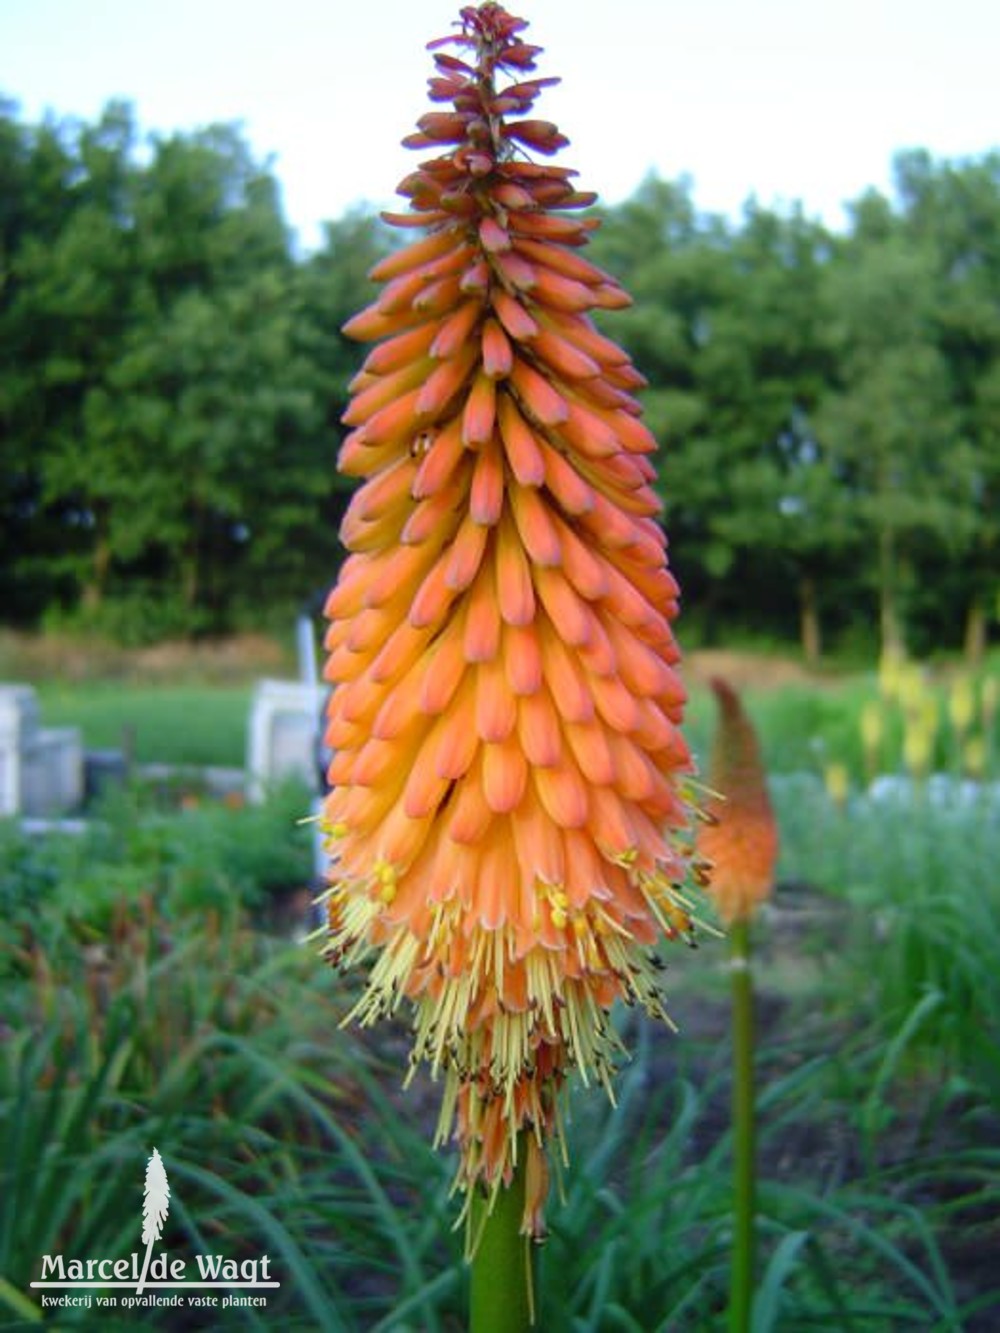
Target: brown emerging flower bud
740,837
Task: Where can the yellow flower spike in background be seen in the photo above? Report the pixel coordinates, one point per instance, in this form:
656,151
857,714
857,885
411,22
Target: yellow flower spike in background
837,780
988,701
974,758
918,746
961,705
892,670
911,688
507,822
872,735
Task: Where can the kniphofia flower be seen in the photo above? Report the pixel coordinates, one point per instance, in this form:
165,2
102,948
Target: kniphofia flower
507,812
738,845
740,838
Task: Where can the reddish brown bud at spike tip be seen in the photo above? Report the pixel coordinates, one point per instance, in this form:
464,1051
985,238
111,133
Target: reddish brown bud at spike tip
538,134
741,841
522,57
494,238
412,219
549,226
449,62
513,316
516,270
508,825
512,196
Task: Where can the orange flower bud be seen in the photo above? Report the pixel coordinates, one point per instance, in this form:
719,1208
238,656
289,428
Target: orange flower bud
740,839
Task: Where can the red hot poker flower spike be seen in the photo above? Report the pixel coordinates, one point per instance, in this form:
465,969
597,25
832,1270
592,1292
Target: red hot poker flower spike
507,820
740,841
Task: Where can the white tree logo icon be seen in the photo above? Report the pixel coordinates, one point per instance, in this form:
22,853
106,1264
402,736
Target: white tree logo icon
214,1270
155,1206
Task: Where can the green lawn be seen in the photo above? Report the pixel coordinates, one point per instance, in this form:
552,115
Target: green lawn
207,723
803,728
182,724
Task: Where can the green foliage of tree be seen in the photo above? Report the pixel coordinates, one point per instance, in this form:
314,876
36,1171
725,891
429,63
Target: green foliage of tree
168,404
218,393
828,405
891,415
732,322
332,285
953,209
172,378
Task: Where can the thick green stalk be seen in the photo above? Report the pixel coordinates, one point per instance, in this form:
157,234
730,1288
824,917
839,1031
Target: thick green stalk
744,1168
501,1264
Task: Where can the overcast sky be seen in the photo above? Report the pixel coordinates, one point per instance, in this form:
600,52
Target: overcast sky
782,99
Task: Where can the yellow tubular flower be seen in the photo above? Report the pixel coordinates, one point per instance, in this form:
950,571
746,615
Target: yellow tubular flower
507,820
740,839
961,705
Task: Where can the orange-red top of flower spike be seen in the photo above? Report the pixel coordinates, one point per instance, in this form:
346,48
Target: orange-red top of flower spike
507,782
740,841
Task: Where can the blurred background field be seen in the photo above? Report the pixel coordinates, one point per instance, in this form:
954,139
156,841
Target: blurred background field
156,992
172,703
186,703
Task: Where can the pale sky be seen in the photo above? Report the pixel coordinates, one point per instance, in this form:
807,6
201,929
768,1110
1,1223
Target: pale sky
786,100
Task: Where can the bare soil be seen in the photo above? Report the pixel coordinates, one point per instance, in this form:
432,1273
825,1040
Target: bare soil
246,656
758,671
235,659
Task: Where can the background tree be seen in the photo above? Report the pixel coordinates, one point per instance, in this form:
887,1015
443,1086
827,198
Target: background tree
172,378
675,264
730,328
765,366
331,286
889,415
953,209
67,298
218,394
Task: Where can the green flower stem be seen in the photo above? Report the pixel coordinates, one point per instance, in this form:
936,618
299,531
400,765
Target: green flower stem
501,1264
744,1171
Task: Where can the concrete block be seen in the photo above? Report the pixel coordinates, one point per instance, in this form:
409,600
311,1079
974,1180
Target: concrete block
283,735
